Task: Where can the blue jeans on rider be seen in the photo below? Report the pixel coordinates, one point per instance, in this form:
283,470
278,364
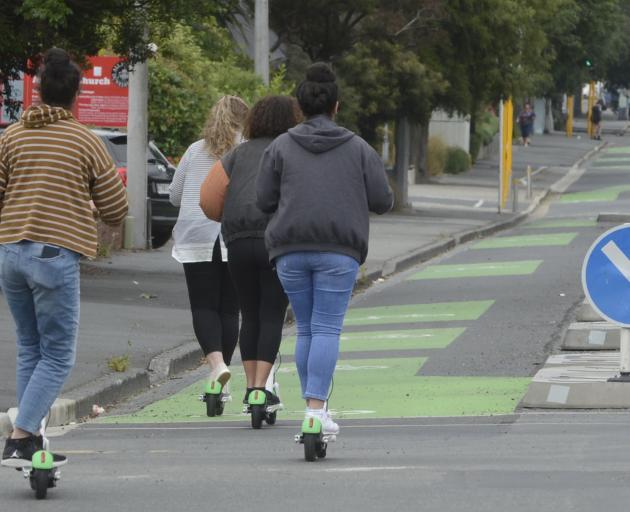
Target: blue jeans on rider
41,285
319,286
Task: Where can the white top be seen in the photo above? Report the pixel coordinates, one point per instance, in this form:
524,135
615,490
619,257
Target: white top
194,233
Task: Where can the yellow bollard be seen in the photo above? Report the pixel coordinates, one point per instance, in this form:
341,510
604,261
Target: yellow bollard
570,106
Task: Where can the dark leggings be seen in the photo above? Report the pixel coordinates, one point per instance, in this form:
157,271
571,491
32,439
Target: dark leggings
214,305
262,299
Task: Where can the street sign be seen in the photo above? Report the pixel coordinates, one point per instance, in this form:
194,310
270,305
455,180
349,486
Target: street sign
103,100
606,275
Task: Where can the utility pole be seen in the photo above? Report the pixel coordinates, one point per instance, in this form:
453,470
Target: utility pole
261,39
137,137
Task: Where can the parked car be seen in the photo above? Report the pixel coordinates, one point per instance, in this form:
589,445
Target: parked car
162,213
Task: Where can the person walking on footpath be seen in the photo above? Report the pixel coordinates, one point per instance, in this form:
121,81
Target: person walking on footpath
228,195
596,119
526,123
198,244
51,168
319,181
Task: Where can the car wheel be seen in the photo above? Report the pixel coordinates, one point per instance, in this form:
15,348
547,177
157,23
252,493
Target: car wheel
160,238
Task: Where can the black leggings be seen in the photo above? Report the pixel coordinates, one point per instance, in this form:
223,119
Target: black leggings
262,299
214,304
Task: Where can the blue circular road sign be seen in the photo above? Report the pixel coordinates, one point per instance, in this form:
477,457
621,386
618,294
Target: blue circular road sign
606,275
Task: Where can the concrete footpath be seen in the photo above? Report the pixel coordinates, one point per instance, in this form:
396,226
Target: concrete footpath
134,305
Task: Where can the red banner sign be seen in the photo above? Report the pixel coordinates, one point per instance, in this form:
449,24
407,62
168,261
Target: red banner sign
103,100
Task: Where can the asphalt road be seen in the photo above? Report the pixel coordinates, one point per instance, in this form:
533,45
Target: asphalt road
517,463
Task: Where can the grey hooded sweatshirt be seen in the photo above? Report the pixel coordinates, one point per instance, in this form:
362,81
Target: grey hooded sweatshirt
321,181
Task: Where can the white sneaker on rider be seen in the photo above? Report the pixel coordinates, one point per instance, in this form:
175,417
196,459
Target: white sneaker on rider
220,373
328,425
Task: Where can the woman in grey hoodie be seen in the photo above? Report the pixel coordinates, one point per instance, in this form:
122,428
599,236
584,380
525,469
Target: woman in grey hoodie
320,181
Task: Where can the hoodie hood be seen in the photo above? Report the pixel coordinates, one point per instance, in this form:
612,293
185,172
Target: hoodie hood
43,115
320,134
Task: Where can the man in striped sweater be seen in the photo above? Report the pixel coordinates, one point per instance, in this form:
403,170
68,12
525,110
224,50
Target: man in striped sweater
51,170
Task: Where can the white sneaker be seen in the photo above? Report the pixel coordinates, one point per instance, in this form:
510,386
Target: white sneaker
221,374
328,425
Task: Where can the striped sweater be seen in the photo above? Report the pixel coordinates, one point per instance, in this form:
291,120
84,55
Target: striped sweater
51,167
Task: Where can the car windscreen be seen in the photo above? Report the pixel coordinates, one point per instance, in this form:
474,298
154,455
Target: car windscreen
119,148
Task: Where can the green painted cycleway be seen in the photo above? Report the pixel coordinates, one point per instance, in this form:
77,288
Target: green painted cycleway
498,268
607,194
363,388
562,223
618,149
409,339
544,240
416,313
611,164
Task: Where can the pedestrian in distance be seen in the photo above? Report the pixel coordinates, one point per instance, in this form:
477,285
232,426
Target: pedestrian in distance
53,172
200,248
526,123
596,120
228,195
319,181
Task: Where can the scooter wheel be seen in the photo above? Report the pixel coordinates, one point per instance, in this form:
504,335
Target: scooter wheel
310,446
39,482
213,403
271,418
258,415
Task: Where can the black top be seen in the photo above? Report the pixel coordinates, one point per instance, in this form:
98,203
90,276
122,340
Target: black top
241,217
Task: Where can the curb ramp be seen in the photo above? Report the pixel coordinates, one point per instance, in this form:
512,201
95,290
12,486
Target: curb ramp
578,381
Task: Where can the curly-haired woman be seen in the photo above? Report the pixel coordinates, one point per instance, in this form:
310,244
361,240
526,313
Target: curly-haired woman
229,195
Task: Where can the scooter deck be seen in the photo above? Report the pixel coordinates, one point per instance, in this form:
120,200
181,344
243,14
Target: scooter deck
21,463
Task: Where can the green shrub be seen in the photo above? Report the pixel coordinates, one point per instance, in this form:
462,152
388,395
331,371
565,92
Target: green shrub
457,160
486,127
436,156
475,146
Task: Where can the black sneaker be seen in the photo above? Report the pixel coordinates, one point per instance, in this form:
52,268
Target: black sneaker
19,452
272,399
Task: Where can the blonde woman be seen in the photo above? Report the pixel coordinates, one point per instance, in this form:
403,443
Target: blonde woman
200,248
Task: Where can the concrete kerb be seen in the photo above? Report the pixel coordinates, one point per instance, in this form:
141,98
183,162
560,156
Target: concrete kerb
113,388
5,424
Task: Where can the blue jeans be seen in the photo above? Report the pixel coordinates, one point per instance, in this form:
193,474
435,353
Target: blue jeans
319,286
43,296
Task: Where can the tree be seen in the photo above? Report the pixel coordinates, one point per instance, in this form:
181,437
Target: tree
599,31
83,27
185,80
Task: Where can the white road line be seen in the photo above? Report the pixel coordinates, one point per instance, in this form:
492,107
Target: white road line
479,203
399,426
617,258
372,468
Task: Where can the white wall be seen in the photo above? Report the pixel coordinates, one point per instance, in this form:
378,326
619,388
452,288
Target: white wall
539,109
453,130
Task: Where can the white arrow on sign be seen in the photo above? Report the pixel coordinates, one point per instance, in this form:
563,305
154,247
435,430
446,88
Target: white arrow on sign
618,258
